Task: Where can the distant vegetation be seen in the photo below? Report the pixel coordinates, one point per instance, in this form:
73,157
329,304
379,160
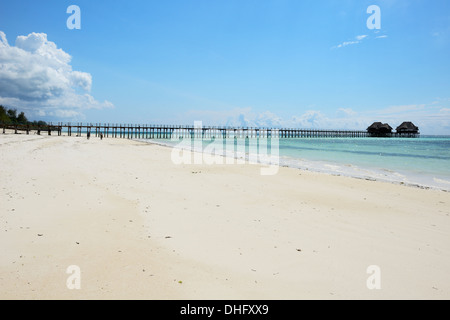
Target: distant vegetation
9,116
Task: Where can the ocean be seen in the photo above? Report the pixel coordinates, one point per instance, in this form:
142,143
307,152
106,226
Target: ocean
423,162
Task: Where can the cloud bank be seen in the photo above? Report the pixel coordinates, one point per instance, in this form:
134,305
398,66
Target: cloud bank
36,76
344,118
432,118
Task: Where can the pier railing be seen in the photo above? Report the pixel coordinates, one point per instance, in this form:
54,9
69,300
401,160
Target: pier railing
136,131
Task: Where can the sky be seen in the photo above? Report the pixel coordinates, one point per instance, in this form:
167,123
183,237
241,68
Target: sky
281,63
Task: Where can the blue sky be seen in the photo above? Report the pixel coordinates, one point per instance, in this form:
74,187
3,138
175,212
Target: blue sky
248,62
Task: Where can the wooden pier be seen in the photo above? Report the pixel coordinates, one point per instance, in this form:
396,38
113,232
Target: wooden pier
130,131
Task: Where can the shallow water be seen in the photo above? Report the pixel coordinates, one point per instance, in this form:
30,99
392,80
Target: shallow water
424,161
421,161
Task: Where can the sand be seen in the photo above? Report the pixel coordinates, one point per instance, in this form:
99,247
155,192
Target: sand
141,227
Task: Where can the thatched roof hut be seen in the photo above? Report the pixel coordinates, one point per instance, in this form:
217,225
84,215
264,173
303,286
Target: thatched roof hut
407,128
378,129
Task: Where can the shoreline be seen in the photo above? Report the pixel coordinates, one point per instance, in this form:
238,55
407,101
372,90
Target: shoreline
284,163
290,165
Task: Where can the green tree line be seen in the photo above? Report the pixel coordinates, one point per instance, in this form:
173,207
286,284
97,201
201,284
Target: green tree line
10,116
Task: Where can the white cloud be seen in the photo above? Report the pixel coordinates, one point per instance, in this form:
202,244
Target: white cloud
358,39
37,76
346,112
347,43
310,119
3,40
249,119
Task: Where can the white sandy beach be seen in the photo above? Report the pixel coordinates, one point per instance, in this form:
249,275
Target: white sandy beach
141,227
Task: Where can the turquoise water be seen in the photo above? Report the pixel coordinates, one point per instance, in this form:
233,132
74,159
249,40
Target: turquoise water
421,161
